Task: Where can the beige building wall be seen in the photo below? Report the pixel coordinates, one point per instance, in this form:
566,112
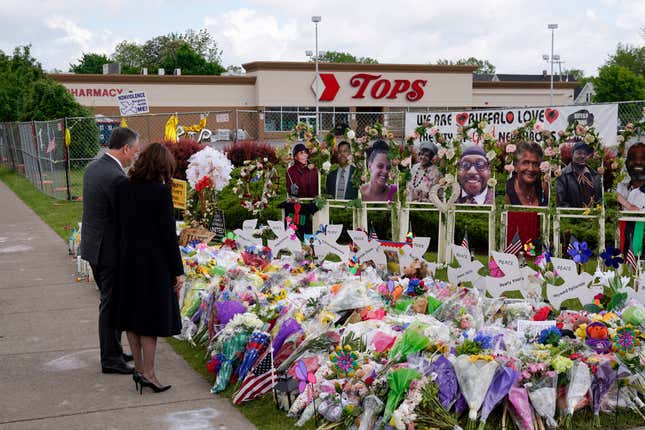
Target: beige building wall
509,94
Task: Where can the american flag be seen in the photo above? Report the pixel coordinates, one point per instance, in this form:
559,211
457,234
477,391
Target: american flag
572,239
516,244
258,381
464,241
630,258
373,235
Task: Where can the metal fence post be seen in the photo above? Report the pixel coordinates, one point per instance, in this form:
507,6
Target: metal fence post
66,160
236,127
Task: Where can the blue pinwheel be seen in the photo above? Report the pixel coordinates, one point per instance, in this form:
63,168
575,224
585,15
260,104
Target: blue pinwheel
580,252
611,257
258,342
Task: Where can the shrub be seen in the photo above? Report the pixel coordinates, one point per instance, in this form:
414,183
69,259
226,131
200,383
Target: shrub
85,143
182,150
249,150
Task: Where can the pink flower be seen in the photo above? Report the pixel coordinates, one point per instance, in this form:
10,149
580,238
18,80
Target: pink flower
415,135
433,130
510,148
550,374
509,168
545,166
441,153
538,127
406,162
549,151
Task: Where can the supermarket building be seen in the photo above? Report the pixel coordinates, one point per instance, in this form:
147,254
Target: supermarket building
276,95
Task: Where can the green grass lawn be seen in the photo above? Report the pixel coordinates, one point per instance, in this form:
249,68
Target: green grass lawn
60,215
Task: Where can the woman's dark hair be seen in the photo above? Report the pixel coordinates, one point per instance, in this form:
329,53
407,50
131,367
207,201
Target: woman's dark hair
155,163
532,147
378,147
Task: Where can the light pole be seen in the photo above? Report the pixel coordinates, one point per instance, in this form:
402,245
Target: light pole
552,27
316,20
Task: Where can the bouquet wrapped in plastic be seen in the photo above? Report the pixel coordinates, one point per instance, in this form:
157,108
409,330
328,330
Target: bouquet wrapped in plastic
543,396
502,382
232,347
579,384
474,376
413,340
399,381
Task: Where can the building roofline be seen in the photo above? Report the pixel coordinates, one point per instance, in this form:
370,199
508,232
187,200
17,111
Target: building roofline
524,84
356,67
153,79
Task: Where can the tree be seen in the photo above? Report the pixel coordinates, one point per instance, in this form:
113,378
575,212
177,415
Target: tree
618,83
190,62
129,56
18,73
344,57
484,67
163,51
630,57
90,63
47,99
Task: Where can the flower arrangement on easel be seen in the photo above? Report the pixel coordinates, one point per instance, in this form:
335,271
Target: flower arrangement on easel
208,172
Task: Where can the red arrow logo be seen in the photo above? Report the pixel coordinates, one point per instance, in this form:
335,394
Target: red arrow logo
331,87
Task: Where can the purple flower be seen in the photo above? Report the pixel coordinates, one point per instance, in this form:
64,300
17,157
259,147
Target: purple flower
580,252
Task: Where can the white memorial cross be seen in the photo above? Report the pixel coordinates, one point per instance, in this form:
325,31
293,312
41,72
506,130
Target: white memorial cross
575,285
514,279
286,238
325,243
468,270
367,249
245,235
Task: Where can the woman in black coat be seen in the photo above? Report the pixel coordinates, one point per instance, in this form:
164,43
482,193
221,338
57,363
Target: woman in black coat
150,266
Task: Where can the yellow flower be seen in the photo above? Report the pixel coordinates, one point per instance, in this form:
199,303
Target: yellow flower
581,331
299,316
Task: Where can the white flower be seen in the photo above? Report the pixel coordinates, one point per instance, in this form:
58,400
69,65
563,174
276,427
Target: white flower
450,178
212,163
450,154
351,134
589,138
482,124
492,182
384,131
490,155
326,166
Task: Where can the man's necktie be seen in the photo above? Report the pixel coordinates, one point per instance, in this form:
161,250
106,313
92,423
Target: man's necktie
340,192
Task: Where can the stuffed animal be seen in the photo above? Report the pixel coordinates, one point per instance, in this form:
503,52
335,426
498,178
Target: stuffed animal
416,269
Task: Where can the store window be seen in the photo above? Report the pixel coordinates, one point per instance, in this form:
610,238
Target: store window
284,118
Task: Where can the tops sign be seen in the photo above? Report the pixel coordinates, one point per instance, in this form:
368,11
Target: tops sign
374,86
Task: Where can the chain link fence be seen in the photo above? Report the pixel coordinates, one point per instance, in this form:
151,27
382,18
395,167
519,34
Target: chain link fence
37,149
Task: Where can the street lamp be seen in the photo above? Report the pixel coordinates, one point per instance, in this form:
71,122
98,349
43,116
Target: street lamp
552,27
316,20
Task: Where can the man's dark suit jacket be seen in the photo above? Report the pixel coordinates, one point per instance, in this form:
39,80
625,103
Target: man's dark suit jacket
98,231
351,192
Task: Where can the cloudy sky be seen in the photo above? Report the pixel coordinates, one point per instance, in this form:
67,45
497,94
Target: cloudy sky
512,34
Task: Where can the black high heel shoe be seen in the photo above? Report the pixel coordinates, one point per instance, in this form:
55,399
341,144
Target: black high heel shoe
144,382
136,377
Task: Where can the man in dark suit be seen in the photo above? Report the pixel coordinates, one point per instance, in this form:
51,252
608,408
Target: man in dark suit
98,241
339,182
579,185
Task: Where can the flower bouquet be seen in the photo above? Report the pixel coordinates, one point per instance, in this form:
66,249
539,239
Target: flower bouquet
542,391
579,384
475,376
208,172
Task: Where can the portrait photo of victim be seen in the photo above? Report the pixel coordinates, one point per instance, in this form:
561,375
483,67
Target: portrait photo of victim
579,185
526,187
473,174
631,191
379,167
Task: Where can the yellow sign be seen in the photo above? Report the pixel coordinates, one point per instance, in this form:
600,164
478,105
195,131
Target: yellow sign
179,192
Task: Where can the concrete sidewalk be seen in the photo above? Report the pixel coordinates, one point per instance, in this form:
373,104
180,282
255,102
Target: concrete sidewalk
50,375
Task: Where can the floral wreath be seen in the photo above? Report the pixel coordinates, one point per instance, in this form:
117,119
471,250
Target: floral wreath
254,198
319,154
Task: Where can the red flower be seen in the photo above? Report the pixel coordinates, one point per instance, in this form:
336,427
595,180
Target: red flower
204,182
542,314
